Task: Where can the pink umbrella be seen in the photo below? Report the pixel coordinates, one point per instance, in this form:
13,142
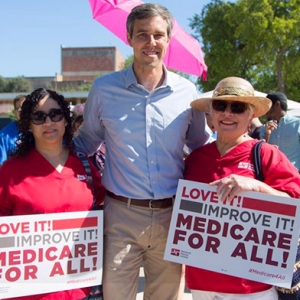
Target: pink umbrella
184,53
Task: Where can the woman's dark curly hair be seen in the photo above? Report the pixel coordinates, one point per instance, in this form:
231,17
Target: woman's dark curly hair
26,142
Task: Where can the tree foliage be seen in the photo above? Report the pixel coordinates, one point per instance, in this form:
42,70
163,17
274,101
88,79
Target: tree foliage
14,85
258,40
128,62
69,86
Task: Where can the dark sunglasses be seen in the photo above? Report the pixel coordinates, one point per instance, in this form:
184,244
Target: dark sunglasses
236,107
39,117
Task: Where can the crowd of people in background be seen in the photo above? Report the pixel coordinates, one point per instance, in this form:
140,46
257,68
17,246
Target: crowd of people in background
9,134
143,129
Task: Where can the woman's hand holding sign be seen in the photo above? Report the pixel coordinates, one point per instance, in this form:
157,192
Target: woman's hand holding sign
228,187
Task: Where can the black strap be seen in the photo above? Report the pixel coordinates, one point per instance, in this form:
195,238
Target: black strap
257,161
96,291
88,172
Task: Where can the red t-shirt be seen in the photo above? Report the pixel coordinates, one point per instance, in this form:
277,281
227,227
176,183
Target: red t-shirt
31,185
205,165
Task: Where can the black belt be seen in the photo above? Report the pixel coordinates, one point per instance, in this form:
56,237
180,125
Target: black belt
151,203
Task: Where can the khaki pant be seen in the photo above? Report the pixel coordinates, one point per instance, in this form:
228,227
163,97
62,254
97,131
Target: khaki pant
134,235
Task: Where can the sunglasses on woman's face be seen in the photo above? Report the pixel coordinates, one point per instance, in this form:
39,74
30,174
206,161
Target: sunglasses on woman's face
39,117
236,107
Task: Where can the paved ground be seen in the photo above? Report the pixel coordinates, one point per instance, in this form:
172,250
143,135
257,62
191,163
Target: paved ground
187,294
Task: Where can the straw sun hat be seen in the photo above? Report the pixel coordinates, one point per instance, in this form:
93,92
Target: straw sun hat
234,89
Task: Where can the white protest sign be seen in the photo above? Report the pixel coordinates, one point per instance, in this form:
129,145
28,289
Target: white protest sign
253,237
50,252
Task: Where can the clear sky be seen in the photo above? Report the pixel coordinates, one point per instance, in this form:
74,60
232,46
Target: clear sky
32,32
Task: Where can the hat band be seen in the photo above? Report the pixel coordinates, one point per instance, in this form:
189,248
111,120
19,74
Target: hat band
231,91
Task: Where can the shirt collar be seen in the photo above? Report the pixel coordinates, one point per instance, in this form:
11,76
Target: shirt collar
286,118
131,79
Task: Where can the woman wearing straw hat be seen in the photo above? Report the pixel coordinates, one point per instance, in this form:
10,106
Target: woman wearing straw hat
228,164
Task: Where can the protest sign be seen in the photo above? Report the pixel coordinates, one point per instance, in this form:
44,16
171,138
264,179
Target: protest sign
254,237
50,252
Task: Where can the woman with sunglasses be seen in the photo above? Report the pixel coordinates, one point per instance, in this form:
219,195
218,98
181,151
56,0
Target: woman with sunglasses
227,164
45,175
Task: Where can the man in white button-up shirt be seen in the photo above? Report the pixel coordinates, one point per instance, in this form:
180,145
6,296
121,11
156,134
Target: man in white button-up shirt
143,113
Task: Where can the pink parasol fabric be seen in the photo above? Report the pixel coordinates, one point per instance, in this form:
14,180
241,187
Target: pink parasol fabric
184,53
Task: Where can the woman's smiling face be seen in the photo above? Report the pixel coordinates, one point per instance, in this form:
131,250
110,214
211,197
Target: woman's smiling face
49,132
231,119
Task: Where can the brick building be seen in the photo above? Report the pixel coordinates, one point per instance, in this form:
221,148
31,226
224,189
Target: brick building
79,65
87,63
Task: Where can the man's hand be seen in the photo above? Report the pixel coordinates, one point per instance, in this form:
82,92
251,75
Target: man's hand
270,126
